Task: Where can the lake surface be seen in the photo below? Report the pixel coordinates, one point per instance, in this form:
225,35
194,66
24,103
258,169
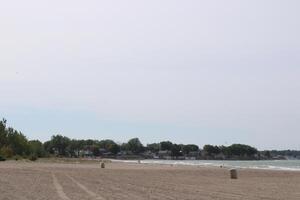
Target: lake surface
293,165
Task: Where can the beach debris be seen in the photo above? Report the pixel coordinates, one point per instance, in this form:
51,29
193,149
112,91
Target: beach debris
233,174
102,165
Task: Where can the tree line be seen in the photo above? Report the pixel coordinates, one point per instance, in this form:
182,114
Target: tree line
14,144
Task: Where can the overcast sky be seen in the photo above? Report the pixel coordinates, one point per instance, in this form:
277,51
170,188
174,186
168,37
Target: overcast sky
218,72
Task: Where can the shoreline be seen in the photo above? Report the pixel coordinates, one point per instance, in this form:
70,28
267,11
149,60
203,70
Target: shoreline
207,163
173,163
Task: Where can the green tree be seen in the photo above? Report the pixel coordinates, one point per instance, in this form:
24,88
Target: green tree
75,146
3,133
58,144
94,149
241,150
106,144
6,152
166,145
186,149
176,150
114,148
211,150
154,147
135,146
267,154
36,148
17,142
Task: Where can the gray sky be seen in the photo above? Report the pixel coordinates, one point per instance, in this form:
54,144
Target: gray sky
216,72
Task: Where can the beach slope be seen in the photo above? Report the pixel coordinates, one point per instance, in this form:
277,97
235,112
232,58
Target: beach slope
72,181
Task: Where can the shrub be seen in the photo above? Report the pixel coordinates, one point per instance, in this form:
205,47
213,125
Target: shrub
17,157
33,157
2,158
7,152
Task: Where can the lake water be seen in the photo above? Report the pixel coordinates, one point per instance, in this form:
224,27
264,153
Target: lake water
293,165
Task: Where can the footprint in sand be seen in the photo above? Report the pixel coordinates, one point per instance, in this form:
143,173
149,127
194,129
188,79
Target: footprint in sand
92,194
59,189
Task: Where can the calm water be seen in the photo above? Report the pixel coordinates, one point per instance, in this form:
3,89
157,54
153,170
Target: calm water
264,164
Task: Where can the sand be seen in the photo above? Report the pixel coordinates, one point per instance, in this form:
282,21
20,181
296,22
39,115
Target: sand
72,181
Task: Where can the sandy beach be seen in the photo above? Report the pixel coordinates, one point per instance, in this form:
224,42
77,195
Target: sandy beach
72,181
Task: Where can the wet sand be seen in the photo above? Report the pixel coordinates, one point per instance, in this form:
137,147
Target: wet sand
72,181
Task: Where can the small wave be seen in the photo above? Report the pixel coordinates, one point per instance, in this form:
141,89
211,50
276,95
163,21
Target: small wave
266,165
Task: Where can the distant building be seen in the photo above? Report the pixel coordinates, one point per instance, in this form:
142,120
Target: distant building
165,155
102,151
193,155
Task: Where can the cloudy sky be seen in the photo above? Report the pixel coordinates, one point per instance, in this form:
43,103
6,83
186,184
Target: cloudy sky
218,72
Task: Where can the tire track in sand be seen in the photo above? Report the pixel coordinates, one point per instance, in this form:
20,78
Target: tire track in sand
89,192
59,188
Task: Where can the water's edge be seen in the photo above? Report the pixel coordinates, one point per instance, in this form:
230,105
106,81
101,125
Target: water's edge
286,165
